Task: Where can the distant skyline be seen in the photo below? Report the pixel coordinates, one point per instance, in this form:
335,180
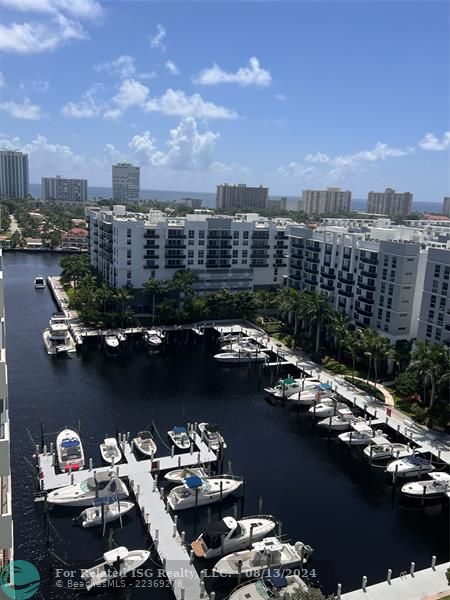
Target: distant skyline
291,95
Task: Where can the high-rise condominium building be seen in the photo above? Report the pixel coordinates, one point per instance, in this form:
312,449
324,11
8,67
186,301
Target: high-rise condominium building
245,251
63,190
332,201
6,520
14,175
389,202
125,182
446,206
434,320
195,203
241,197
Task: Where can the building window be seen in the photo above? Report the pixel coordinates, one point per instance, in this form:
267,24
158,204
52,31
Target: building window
191,233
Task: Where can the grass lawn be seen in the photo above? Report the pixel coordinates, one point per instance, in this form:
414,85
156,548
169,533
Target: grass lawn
370,389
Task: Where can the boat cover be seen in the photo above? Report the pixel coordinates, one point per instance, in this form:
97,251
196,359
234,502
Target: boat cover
325,387
287,381
193,482
145,435
70,443
211,428
217,528
277,580
179,429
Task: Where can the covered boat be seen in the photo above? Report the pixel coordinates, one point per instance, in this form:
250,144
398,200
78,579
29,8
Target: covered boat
270,585
69,450
110,512
241,356
39,282
180,438
199,492
285,387
116,563
179,475
312,391
101,488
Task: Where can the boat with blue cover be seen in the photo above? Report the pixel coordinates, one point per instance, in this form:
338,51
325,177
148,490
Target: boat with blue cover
69,451
180,438
270,585
199,492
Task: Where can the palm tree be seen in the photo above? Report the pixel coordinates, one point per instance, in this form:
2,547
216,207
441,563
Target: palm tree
431,362
155,288
264,299
340,326
105,294
317,310
183,282
352,345
289,301
400,354
123,296
376,347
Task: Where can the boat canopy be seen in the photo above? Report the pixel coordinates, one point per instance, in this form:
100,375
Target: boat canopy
277,580
287,381
211,427
193,482
70,443
218,528
326,387
379,440
113,556
145,435
362,427
179,429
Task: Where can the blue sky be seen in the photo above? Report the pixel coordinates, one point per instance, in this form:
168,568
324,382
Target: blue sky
292,95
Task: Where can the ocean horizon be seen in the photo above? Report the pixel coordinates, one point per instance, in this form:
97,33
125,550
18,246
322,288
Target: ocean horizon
209,198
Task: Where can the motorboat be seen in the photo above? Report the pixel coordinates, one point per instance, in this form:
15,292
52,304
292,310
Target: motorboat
326,408
199,492
360,437
341,421
110,451
69,451
116,563
57,338
436,487
241,344
387,450
121,336
145,444
212,436
39,282
180,438
96,515
153,338
112,340
229,535
312,392
101,488
179,475
241,356
267,553
271,585
410,466
285,387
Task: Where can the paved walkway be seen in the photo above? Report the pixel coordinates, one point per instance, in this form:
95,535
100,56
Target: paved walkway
388,399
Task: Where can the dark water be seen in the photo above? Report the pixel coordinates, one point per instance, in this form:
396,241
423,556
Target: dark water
324,495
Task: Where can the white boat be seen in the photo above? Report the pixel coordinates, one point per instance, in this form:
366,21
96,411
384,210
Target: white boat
268,553
121,336
116,563
57,338
179,437
387,450
241,357
237,345
285,387
410,466
110,451
272,585
198,491
212,436
361,437
144,443
326,408
229,535
69,450
179,475
153,338
39,282
90,517
100,488
340,422
436,487
313,392
112,340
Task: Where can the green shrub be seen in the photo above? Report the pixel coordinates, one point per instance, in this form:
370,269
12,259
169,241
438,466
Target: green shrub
369,389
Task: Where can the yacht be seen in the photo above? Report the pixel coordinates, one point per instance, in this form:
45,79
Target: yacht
341,421
145,444
436,487
326,408
112,340
69,451
103,488
243,356
116,563
270,585
110,451
313,391
410,466
212,436
90,517
154,338
285,387
269,552
242,345
229,535
179,438
360,437
39,282
179,475
57,338
387,450
199,492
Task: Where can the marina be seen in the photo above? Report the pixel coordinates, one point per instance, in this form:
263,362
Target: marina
178,387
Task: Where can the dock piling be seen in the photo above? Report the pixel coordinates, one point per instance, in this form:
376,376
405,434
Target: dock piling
338,591
90,464
183,538
389,575
364,583
433,562
260,505
412,568
175,524
172,451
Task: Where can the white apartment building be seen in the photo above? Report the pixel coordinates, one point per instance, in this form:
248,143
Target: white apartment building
434,320
376,284
6,520
60,189
14,174
126,185
329,201
241,197
245,251
390,202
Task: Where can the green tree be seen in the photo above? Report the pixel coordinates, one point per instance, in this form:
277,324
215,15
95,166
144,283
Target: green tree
317,310
340,326
352,345
155,288
183,282
431,363
376,347
74,268
290,302
264,300
16,240
123,296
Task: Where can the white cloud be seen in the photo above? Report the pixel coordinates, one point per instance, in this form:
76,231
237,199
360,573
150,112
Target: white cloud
157,40
83,9
124,67
178,103
431,142
280,97
22,110
131,93
37,85
294,170
36,36
188,150
172,67
88,107
2,80
253,74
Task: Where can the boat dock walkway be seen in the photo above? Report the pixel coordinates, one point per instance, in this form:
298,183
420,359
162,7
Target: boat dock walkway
409,586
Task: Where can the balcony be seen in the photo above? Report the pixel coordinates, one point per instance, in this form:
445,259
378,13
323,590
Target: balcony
149,235
313,259
364,299
327,286
153,256
368,261
259,254
258,263
345,293
310,281
313,271
5,512
346,280
365,286
368,274
295,277
260,246
362,311
147,266
178,266
172,235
